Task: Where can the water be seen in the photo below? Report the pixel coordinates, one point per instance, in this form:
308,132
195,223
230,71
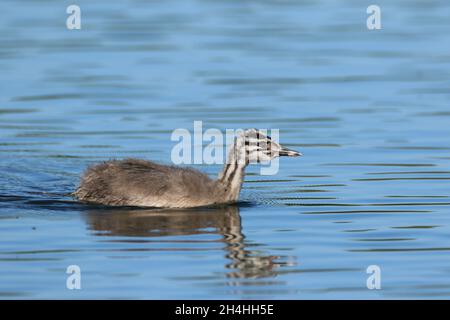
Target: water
369,109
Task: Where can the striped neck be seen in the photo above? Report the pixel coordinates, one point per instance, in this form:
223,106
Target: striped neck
232,175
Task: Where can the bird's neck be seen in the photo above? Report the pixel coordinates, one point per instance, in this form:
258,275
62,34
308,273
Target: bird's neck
232,175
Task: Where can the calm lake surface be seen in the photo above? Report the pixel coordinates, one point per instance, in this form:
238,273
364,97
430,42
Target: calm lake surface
369,110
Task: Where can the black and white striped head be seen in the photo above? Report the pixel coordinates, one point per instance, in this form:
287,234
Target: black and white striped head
259,147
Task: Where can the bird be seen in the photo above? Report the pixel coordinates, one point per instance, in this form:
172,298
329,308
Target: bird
143,183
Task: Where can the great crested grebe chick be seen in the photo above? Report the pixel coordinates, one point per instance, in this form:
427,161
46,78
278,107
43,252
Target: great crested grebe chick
134,182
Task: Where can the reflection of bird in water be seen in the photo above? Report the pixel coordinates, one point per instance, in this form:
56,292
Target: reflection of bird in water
225,221
134,182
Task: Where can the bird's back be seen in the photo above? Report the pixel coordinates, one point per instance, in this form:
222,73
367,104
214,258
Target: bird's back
136,182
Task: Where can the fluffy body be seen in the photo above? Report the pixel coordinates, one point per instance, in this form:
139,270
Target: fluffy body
134,182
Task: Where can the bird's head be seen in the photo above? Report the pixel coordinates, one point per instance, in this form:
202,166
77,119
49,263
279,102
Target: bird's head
259,147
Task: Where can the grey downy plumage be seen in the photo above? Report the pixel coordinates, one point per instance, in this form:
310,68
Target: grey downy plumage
135,182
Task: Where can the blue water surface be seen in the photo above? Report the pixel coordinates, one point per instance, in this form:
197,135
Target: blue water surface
369,110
